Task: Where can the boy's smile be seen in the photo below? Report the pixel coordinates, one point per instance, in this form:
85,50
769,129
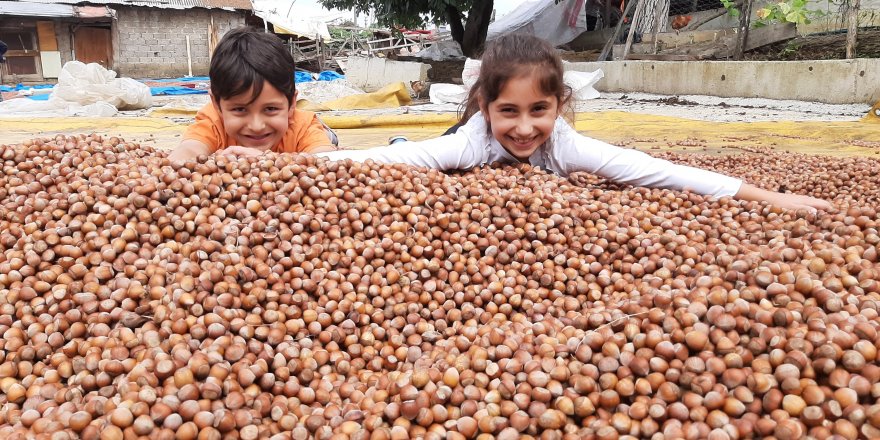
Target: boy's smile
259,124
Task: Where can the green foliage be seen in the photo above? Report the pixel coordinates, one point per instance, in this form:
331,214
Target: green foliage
337,33
731,8
407,13
789,11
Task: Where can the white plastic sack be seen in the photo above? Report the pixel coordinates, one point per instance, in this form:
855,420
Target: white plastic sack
86,84
471,72
447,94
582,83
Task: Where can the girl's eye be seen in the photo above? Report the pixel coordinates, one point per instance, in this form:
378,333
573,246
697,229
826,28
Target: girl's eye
238,109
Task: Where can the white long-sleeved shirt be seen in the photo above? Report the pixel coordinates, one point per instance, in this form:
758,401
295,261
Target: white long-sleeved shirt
565,152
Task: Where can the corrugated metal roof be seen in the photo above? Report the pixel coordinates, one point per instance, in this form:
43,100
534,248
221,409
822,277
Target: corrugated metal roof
29,9
163,4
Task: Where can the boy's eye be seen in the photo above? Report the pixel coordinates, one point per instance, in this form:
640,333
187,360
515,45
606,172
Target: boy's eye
238,109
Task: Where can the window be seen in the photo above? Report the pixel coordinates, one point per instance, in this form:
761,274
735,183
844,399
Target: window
23,56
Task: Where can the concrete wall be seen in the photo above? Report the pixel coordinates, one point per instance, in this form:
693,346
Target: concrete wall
151,42
373,73
831,81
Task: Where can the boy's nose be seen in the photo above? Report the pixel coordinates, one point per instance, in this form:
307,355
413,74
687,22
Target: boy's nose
256,123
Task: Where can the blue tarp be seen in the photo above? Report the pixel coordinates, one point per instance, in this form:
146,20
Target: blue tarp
43,97
184,79
20,87
177,90
327,75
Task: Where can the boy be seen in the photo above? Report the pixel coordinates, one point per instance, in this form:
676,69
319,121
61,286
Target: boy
253,101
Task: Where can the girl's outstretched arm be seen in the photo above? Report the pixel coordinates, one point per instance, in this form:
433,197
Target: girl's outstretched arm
782,200
576,152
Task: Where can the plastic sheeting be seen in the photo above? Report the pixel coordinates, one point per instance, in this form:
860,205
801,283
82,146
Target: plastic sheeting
645,132
22,87
392,95
581,84
182,79
874,114
84,90
288,18
558,22
327,75
176,90
440,51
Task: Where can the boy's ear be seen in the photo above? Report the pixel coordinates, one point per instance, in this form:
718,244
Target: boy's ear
292,104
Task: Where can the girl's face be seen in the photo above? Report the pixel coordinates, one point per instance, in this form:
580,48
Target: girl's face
522,117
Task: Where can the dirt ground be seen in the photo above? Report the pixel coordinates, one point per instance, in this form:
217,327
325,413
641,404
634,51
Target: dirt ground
824,46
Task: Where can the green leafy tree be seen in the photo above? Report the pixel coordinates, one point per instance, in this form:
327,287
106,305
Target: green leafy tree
468,19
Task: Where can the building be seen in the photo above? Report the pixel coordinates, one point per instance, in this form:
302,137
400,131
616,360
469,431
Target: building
136,38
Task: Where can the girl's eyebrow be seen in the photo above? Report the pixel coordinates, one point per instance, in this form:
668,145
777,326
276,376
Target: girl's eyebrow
543,101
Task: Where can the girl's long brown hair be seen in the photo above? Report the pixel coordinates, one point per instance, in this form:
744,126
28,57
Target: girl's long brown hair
512,56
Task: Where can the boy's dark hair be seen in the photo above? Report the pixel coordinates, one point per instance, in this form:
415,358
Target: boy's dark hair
511,56
245,58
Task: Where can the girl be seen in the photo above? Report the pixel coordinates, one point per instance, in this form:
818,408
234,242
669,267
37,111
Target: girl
513,114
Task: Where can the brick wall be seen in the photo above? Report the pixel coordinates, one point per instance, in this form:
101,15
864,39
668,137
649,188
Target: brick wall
151,42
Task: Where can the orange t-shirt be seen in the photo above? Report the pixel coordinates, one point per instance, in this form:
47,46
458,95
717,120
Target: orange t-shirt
304,132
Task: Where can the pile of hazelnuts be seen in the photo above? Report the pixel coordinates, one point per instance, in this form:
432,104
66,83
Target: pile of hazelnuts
289,296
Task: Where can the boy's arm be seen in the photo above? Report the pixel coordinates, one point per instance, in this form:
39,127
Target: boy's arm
315,140
188,149
320,149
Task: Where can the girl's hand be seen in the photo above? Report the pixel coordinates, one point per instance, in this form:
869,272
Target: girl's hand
782,200
235,151
797,201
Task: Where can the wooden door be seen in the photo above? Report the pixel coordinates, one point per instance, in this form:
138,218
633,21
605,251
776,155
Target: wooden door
93,45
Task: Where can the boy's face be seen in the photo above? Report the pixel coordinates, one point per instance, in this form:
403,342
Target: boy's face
260,124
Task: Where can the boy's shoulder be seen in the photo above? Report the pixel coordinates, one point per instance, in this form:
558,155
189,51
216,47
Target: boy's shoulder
209,111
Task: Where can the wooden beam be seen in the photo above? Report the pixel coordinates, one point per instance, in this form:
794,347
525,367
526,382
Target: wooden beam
607,49
659,21
632,29
770,34
661,57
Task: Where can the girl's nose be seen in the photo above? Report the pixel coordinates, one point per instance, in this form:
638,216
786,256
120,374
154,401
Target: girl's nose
524,126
